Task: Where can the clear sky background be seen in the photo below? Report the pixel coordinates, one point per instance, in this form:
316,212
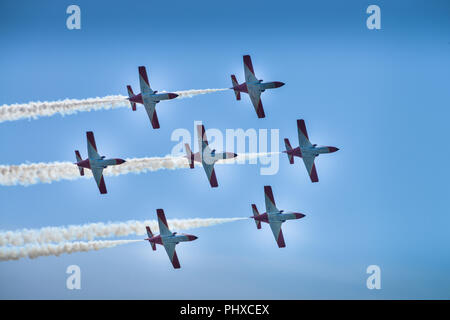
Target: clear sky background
381,96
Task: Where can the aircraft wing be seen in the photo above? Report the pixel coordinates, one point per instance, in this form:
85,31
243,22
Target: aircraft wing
143,81
308,160
202,139
255,97
210,173
91,146
162,223
150,107
98,176
170,249
270,201
277,233
303,138
248,70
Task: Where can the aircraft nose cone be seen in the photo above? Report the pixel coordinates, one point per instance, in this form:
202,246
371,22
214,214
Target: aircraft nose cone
333,149
235,155
172,95
192,238
279,84
120,161
299,215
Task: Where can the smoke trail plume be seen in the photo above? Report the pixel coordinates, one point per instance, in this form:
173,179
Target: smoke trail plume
27,174
100,230
35,250
193,92
34,110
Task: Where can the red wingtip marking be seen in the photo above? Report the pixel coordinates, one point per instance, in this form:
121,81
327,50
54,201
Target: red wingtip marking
280,240
313,175
91,139
260,110
175,262
213,180
143,74
201,132
248,63
162,216
102,186
155,122
302,127
269,194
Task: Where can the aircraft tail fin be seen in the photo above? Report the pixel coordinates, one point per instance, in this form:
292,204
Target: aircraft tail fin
189,156
131,95
235,84
255,214
289,148
150,235
78,156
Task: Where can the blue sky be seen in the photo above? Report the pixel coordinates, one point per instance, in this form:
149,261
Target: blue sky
381,96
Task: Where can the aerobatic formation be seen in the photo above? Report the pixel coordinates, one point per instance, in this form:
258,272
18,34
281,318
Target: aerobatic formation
54,241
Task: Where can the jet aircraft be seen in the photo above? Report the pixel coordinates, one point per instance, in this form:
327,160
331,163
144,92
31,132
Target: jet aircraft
95,162
306,150
273,216
148,97
167,238
206,156
252,86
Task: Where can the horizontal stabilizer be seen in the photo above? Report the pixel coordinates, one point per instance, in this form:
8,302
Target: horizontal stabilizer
78,157
189,156
235,84
289,148
255,214
131,95
150,235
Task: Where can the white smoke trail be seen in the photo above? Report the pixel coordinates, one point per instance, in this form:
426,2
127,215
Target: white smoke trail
100,230
35,250
28,174
194,92
34,110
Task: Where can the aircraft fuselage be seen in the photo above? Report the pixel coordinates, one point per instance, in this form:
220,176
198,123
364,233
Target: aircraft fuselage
315,151
257,86
173,238
99,163
278,216
152,97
